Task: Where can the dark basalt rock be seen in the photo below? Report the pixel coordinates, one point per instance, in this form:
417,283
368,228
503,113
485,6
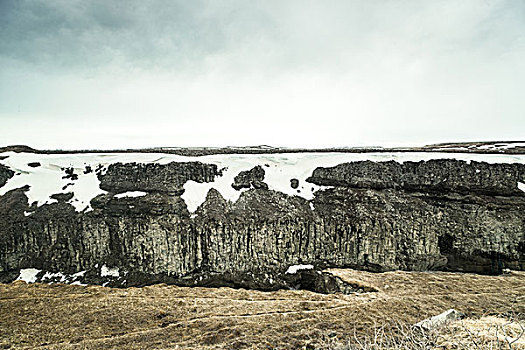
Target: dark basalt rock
441,176
70,174
5,174
270,206
312,280
13,202
168,178
9,276
253,178
323,282
62,197
378,217
294,183
34,164
151,204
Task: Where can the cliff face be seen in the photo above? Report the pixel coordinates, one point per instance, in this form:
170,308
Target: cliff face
5,174
378,216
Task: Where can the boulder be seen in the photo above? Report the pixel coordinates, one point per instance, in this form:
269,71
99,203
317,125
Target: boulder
440,320
5,174
253,178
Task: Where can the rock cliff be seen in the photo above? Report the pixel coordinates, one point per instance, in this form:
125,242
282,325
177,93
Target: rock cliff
5,174
435,215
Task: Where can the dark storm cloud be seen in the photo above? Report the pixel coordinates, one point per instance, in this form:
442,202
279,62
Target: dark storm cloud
181,34
65,34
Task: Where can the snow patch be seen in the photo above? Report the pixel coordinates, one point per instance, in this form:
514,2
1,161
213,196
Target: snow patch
79,274
294,268
521,186
492,147
131,194
49,275
512,145
106,271
28,275
77,283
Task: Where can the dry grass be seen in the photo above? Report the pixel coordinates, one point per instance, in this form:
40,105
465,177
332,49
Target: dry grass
485,333
168,317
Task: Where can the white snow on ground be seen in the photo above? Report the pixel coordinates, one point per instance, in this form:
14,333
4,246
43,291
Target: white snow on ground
499,146
28,275
483,147
521,186
492,146
106,271
85,189
50,275
131,194
294,268
280,168
79,274
77,283
515,144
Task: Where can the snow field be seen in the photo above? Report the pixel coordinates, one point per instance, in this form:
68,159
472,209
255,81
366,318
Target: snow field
280,168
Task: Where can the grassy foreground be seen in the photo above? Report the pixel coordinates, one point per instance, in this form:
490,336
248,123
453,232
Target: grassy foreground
39,316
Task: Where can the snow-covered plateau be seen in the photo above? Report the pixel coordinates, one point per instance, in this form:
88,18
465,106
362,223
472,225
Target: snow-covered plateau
50,177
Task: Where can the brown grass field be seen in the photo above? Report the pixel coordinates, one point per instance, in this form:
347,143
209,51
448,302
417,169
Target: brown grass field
41,316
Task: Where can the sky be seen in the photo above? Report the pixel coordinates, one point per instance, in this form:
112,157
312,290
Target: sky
296,73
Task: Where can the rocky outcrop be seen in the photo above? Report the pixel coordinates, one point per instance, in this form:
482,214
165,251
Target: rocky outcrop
169,178
435,215
253,178
438,176
5,174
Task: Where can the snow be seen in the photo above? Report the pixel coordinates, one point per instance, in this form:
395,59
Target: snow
493,146
499,146
77,283
49,275
483,147
294,268
521,186
79,274
280,168
28,275
131,194
513,145
106,271
47,180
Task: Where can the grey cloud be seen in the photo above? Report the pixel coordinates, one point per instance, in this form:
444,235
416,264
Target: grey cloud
375,71
178,34
92,33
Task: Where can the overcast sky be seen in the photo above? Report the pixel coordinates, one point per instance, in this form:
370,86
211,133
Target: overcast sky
106,74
